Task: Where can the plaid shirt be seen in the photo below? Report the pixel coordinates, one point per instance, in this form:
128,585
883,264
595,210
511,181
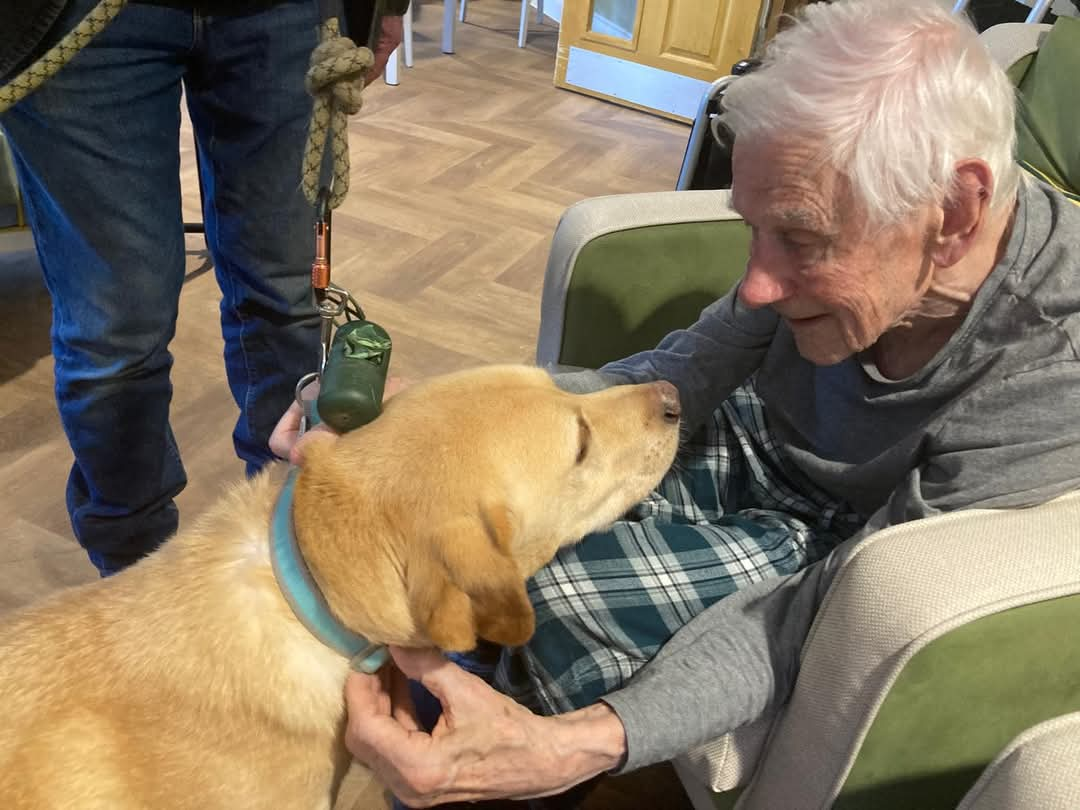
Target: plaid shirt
731,511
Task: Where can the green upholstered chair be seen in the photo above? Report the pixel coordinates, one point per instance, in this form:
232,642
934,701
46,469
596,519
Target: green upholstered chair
942,639
1044,64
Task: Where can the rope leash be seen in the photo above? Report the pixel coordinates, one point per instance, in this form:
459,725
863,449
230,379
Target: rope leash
335,79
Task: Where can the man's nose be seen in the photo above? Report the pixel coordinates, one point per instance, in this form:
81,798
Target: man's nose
760,285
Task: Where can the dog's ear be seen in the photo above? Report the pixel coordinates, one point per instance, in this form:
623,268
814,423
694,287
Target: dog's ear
465,584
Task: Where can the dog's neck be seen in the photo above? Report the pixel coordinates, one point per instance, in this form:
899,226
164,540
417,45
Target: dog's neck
246,631
302,592
346,533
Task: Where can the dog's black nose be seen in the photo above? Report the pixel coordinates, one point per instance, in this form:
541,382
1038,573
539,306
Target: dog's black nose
669,400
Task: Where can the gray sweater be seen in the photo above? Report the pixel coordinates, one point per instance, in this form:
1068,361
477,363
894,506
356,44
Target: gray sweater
992,421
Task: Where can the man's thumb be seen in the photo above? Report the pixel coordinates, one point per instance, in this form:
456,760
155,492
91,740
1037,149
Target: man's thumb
430,668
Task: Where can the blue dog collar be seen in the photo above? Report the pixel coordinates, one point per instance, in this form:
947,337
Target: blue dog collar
303,594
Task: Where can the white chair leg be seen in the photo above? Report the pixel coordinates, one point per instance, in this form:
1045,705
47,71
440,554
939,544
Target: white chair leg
449,17
523,27
406,40
390,75
461,13
539,12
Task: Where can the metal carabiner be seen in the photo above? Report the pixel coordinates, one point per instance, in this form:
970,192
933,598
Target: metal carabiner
328,309
306,405
320,265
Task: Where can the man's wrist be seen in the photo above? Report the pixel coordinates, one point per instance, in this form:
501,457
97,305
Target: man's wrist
591,741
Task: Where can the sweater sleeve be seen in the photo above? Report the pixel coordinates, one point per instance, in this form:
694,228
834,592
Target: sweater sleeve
727,667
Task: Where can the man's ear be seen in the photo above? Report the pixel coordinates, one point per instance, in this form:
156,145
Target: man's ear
464,584
964,213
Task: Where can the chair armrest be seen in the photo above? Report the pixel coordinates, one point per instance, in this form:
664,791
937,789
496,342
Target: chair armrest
1037,769
938,610
903,590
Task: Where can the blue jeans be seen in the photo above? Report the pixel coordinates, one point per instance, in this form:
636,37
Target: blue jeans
97,153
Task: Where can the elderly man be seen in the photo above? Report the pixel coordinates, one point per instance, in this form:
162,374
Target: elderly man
903,343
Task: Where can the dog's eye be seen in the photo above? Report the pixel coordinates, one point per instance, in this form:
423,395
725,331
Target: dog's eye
584,439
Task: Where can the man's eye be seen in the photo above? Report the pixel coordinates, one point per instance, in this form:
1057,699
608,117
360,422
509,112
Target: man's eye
801,246
797,243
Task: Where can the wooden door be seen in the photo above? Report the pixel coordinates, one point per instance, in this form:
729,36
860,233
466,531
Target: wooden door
656,55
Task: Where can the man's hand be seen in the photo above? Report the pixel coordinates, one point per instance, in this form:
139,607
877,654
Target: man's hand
391,33
485,746
285,440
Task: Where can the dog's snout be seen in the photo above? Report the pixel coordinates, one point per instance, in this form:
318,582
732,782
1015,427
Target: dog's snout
668,395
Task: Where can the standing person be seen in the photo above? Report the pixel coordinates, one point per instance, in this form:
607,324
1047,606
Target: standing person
97,154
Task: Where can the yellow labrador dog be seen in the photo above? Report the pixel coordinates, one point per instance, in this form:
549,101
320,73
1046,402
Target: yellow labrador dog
188,681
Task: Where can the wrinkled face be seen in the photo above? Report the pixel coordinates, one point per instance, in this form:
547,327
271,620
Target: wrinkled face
837,284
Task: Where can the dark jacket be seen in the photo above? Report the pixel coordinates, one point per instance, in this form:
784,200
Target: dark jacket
23,25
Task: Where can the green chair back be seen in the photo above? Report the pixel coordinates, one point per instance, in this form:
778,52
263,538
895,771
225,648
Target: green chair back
1048,120
632,287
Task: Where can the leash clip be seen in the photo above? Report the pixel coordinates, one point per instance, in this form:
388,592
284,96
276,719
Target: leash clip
333,303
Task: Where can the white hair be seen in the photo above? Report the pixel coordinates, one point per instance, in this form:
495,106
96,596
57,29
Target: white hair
895,92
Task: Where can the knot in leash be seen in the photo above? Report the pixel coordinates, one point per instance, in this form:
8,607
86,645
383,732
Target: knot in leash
335,79
338,65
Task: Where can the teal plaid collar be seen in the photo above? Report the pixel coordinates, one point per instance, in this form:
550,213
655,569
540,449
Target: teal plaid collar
303,594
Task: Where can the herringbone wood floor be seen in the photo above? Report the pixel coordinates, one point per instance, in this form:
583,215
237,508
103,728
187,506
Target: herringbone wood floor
459,176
